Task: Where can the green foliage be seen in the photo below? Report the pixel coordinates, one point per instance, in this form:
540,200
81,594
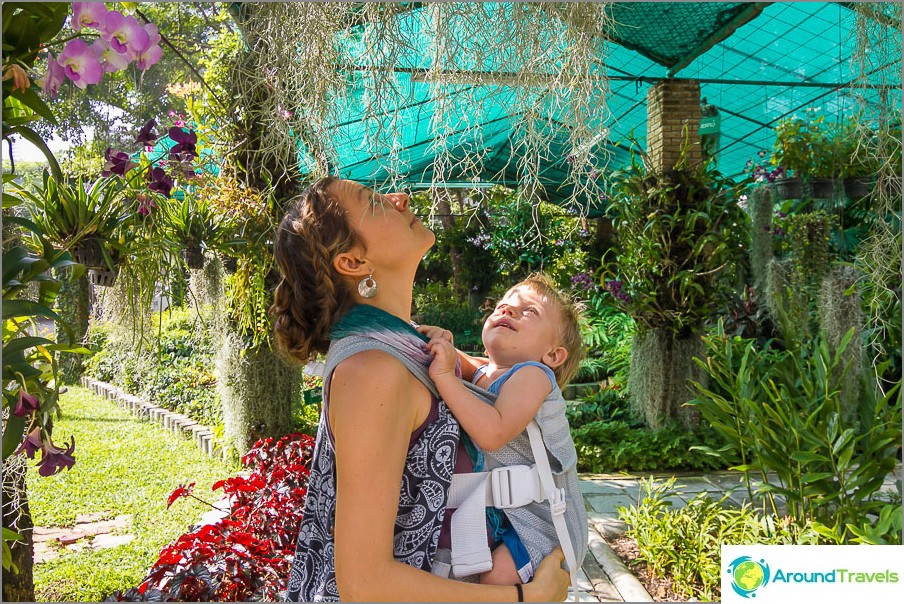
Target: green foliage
606,404
174,371
681,236
134,465
685,544
781,416
607,332
800,143
192,218
613,446
437,304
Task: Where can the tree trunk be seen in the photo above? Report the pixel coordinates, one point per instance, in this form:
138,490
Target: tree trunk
659,377
18,587
444,210
257,389
72,302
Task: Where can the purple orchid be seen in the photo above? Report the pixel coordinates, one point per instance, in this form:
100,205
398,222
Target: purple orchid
145,204
615,287
109,58
88,14
160,182
27,404
81,63
146,135
117,162
32,444
185,143
151,52
55,459
56,75
124,34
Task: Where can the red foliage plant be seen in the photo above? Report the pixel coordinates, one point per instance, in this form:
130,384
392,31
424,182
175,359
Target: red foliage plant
246,555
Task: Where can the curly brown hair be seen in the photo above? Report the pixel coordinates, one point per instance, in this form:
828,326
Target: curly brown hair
569,325
312,295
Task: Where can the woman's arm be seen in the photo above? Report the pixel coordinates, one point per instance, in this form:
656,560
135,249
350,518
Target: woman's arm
490,426
374,405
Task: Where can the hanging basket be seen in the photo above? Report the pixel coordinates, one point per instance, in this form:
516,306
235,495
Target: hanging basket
193,256
88,251
789,188
822,188
102,277
858,187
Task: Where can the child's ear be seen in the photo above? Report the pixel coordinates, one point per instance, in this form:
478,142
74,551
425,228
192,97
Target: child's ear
555,357
351,264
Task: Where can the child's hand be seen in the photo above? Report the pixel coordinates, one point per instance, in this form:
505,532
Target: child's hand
431,331
444,357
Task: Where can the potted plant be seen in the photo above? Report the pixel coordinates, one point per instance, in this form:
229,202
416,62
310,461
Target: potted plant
190,220
859,163
84,218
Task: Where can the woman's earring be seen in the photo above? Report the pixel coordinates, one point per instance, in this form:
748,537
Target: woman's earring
367,287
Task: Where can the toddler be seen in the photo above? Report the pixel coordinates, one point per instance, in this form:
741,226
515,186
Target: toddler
533,345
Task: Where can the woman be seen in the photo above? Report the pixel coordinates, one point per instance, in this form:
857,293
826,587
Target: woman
386,446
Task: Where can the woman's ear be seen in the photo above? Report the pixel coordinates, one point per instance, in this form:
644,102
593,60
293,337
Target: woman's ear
555,357
350,264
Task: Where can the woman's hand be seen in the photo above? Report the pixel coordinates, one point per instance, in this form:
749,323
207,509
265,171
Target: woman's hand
550,582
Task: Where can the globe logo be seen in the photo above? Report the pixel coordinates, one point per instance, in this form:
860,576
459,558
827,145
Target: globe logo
748,575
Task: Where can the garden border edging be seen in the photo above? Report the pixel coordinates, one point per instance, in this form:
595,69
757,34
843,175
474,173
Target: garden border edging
169,420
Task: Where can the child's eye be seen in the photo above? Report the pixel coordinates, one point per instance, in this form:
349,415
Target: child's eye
531,309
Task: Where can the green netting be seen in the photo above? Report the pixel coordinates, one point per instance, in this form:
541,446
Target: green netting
757,63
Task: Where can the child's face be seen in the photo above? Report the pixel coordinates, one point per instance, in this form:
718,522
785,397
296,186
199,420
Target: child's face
524,327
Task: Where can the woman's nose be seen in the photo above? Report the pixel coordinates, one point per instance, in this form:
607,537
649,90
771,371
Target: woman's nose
399,200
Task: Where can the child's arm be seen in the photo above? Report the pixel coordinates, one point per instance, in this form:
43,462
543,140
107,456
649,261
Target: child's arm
469,364
490,426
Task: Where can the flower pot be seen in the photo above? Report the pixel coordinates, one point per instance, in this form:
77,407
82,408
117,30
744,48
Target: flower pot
88,251
822,188
102,277
193,256
789,188
857,187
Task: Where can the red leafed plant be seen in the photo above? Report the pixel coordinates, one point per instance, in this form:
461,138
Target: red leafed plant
245,556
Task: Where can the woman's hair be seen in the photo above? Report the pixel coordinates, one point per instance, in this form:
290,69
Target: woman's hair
312,295
569,327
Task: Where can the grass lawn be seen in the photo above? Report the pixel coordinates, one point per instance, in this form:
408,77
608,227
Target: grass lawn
123,466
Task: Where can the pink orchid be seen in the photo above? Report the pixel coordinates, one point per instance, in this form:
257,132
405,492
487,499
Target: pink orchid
27,404
56,75
109,58
32,444
124,33
54,459
81,63
88,14
151,53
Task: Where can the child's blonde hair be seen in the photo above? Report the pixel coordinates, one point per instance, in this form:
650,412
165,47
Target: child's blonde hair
569,328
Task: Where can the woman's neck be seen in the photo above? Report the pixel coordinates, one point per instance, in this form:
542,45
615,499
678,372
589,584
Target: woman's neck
393,296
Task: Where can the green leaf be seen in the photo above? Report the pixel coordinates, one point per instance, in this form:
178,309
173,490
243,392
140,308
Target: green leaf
27,308
19,344
30,99
35,139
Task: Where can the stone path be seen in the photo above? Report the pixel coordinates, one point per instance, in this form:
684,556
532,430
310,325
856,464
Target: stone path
91,531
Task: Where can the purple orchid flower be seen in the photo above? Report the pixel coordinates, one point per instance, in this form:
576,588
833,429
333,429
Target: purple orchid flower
109,58
81,63
117,162
56,75
151,52
27,404
32,444
88,14
146,135
159,182
55,459
145,204
615,288
124,33
185,147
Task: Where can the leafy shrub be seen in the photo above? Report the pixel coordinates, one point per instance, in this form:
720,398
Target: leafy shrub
607,332
174,369
781,417
607,404
246,555
437,304
612,446
685,544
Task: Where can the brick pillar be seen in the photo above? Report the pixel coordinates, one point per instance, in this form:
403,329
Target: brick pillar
670,105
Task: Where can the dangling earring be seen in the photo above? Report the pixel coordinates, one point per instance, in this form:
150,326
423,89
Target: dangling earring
367,287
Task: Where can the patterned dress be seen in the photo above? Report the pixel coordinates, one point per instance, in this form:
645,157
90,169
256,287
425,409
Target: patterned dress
425,480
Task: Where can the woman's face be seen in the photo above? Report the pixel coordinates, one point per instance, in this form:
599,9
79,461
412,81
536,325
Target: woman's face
391,233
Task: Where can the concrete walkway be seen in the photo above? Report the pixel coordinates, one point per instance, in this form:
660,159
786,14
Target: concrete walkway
604,577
